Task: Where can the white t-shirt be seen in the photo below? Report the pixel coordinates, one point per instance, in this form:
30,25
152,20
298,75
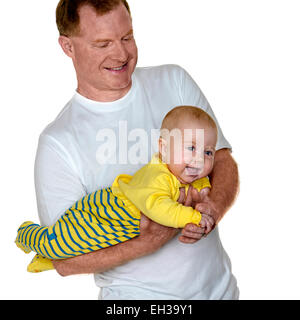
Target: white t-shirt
69,165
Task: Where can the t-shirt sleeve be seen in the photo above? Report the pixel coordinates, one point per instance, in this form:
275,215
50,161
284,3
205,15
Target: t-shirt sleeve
57,184
192,95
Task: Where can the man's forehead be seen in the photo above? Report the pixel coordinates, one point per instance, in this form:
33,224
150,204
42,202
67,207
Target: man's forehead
115,20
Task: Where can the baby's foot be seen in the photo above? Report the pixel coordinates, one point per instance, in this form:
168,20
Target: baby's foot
39,264
19,238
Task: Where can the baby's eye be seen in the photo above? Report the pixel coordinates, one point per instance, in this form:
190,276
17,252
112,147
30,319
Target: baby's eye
192,148
208,153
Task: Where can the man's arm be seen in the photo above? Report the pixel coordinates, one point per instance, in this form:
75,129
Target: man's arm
152,237
225,186
58,187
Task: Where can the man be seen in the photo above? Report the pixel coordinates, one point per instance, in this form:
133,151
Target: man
111,94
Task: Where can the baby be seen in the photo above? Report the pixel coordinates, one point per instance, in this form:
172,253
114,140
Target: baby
109,216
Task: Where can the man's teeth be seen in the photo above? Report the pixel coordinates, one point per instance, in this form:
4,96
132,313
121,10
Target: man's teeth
117,69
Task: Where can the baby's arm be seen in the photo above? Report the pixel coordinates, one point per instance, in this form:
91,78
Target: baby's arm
166,211
157,201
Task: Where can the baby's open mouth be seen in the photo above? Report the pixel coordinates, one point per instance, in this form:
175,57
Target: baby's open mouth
192,171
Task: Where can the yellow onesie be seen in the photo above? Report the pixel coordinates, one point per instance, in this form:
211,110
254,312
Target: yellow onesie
109,216
154,190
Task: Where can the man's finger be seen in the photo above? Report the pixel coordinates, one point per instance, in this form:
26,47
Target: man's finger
181,196
191,227
193,235
189,197
203,208
211,220
196,196
191,230
187,240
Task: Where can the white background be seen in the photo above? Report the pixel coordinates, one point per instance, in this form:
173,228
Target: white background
244,54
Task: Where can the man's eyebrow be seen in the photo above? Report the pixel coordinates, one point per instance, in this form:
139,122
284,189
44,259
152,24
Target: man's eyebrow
130,32
100,40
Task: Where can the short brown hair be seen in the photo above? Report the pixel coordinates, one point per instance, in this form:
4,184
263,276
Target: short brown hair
67,17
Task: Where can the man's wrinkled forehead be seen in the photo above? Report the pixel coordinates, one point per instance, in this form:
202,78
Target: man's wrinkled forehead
90,16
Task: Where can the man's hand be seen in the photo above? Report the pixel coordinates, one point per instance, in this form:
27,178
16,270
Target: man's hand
225,185
208,209
207,222
224,181
192,233
154,235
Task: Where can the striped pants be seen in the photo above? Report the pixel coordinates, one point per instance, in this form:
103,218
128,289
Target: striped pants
97,221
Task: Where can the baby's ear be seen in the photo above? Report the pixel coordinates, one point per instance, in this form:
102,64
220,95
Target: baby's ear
162,147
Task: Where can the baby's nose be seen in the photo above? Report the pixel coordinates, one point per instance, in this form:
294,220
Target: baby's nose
198,161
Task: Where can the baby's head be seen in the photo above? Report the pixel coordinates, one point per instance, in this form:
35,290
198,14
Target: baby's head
187,143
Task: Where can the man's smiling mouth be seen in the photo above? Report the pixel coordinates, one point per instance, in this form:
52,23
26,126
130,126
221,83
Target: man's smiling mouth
116,69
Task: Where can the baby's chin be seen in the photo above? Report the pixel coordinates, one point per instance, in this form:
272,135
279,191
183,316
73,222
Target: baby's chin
188,179
191,174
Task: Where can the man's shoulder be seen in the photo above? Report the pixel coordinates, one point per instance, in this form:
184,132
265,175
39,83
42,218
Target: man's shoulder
161,70
166,78
59,126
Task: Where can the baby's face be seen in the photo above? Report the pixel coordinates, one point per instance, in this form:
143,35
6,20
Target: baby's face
191,154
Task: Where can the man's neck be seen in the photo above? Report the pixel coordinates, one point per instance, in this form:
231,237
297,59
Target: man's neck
103,95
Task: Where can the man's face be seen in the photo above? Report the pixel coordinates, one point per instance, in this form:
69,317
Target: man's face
104,53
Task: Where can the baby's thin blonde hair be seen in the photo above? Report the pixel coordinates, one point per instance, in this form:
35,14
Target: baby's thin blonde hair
180,113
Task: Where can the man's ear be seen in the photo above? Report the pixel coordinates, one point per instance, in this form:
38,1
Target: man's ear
66,45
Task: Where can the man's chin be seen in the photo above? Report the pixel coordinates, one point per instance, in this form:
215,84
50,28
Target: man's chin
122,85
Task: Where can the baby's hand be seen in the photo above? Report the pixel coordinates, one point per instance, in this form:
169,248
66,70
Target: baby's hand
207,222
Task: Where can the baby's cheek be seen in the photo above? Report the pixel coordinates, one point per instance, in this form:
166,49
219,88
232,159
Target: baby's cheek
186,157
209,166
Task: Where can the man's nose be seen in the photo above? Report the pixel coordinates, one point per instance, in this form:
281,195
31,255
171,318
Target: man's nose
120,52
